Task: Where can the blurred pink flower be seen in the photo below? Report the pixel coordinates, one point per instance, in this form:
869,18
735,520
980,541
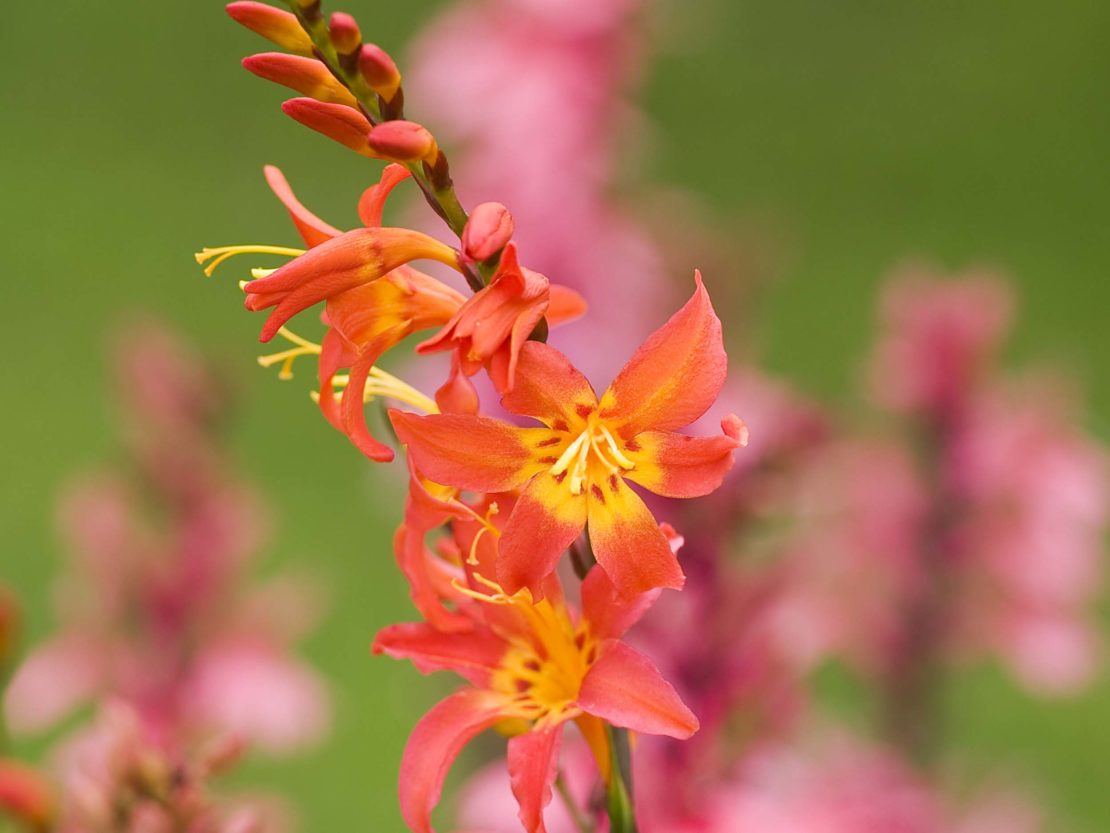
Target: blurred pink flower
155,606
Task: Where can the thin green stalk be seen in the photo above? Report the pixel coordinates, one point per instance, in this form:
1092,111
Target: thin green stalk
618,794
581,821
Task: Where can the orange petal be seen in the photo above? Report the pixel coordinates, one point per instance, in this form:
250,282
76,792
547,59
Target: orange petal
565,306
675,375
312,229
336,121
533,764
609,613
627,541
469,452
474,655
626,689
276,25
548,387
372,202
545,521
675,465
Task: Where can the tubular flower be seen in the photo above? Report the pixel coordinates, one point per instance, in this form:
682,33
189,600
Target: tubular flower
385,301
533,667
572,471
493,325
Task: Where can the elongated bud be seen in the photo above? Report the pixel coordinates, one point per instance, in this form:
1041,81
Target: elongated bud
276,25
379,70
403,141
487,231
336,121
25,796
305,75
344,32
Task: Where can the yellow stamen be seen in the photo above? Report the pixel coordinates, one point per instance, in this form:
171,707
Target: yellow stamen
304,347
386,385
221,253
575,459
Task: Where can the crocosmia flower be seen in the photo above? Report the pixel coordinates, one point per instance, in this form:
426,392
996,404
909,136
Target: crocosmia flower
533,667
572,471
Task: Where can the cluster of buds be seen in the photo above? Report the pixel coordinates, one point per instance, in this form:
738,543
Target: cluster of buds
493,507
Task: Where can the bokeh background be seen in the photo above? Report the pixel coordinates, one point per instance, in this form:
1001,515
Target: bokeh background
845,136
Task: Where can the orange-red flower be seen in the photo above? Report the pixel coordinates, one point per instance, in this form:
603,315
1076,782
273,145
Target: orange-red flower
573,471
533,667
374,299
491,328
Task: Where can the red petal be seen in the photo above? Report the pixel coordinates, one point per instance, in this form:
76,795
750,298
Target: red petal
675,465
545,521
429,578
548,387
312,229
338,122
433,746
372,202
675,375
625,688
470,452
627,541
609,613
352,406
533,764
473,654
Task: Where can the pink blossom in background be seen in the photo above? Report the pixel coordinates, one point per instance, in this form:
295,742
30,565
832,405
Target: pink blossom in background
528,85
155,606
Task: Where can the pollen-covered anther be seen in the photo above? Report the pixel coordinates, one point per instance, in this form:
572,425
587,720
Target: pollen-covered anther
595,443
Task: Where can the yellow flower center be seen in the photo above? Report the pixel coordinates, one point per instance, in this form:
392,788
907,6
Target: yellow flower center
594,446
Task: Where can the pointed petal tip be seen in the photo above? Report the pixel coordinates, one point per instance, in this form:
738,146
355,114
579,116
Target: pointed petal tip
735,429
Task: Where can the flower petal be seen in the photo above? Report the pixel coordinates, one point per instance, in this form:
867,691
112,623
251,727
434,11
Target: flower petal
372,202
473,655
675,465
312,229
675,375
565,305
627,541
609,613
625,688
470,452
545,521
548,387
533,764
433,746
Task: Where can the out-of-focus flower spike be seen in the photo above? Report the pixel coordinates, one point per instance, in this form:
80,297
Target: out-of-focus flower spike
336,121
487,232
305,75
344,32
403,141
25,796
379,70
276,25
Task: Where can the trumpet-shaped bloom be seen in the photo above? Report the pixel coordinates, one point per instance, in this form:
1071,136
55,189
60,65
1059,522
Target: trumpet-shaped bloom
572,472
492,327
533,666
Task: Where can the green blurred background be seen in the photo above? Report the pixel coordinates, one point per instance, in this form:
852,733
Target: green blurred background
854,132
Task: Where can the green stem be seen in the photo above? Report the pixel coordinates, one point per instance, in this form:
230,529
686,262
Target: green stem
618,793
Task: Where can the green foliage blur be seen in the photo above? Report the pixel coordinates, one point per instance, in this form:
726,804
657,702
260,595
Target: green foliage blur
851,134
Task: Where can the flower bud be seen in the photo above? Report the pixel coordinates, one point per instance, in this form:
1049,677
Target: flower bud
336,121
276,25
25,796
305,75
403,141
379,70
344,32
487,231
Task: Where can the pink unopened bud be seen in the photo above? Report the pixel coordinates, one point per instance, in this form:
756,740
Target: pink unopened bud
379,70
487,231
305,75
336,121
344,32
25,796
276,25
403,141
